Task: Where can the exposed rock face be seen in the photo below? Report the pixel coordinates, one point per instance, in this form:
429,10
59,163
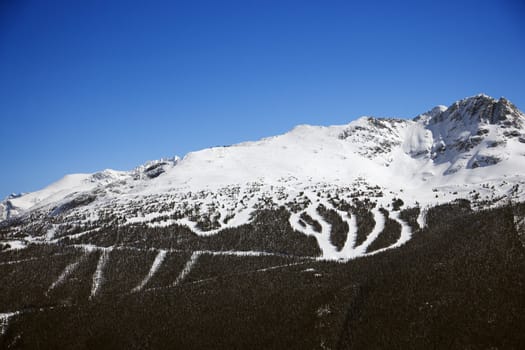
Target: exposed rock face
473,132
376,138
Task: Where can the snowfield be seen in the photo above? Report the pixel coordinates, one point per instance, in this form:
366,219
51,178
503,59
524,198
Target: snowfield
474,149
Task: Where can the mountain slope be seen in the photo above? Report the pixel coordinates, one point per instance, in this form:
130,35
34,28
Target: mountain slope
380,233
473,149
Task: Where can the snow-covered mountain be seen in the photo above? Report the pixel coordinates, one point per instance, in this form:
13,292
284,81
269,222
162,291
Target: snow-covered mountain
474,149
234,247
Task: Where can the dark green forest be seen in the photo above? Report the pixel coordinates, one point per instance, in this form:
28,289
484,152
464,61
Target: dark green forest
459,283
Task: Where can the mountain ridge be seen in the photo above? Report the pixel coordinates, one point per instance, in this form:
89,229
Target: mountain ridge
473,149
312,234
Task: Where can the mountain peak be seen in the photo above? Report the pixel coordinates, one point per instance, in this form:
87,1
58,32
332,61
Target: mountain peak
482,96
474,132
433,113
476,109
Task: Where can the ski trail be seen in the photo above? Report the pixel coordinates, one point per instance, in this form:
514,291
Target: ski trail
280,266
266,269
241,253
4,321
348,248
80,234
187,268
88,248
406,234
50,234
19,261
98,276
31,259
241,217
422,218
372,236
308,230
328,250
159,259
68,270
406,230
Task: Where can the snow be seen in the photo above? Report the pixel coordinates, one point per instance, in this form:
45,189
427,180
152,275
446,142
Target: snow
187,268
308,152
50,234
161,255
422,217
12,262
4,320
54,192
406,233
379,218
272,268
98,276
439,156
323,237
348,248
68,270
15,244
349,251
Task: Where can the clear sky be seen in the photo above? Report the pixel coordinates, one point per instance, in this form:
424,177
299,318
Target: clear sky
89,85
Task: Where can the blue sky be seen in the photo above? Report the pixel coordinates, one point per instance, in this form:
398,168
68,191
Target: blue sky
89,85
